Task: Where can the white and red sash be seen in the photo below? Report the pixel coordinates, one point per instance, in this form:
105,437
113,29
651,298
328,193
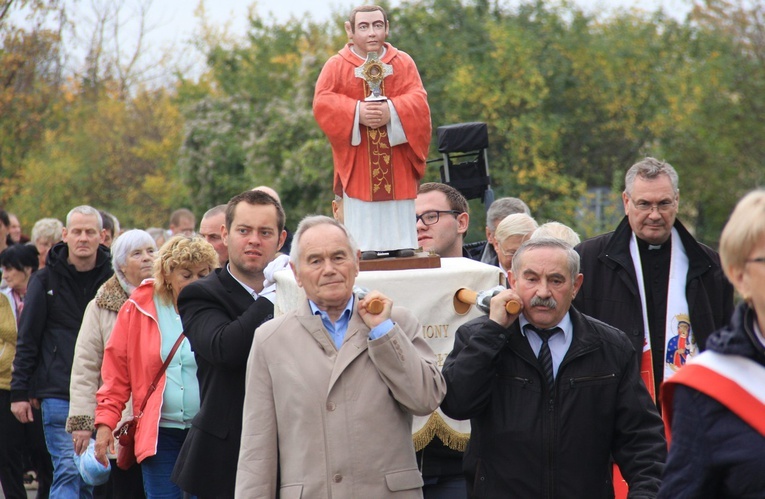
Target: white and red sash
736,382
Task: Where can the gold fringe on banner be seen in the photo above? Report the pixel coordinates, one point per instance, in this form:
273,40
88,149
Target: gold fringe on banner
436,426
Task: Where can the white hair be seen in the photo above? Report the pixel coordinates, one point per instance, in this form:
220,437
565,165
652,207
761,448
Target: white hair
121,249
312,221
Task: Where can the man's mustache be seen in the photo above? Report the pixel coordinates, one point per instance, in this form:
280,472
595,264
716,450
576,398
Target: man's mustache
543,302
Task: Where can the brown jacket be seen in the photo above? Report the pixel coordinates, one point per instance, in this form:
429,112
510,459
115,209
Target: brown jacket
337,423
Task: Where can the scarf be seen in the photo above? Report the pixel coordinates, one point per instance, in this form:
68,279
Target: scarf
679,342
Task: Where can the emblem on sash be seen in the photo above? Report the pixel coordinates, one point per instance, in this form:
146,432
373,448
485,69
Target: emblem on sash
682,346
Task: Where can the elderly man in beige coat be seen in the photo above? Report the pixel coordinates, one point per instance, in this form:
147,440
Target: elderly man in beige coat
332,387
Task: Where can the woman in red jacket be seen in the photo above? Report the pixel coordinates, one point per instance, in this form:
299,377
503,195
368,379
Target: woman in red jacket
147,327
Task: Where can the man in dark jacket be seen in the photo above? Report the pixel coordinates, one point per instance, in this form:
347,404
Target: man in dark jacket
551,393
220,314
53,308
629,275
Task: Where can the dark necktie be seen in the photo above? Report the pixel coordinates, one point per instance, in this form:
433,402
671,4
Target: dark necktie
545,357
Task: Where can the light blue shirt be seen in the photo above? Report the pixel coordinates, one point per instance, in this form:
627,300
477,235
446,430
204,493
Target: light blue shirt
180,398
558,343
338,329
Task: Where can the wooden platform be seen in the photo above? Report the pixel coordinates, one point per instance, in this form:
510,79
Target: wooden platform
420,260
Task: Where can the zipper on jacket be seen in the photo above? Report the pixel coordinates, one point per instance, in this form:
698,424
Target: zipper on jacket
587,379
522,381
551,442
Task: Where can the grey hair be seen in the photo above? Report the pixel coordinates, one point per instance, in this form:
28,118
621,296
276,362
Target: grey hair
124,245
649,169
313,221
559,231
87,211
47,228
517,224
548,242
503,207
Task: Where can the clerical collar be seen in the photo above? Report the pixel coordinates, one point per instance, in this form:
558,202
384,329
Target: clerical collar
379,56
643,245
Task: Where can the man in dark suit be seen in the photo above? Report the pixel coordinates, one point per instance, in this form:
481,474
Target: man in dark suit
220,314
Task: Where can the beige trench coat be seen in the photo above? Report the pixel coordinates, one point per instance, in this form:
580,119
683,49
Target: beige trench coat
337,423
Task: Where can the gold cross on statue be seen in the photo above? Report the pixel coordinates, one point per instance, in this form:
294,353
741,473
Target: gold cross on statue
373,71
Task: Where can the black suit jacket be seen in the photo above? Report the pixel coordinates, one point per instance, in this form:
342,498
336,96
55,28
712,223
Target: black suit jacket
219,319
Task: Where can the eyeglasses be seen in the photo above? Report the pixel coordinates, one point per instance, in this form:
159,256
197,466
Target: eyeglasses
760,259
431,217
508,253
661,206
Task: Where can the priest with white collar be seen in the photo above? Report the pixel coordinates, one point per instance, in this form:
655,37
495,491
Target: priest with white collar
652,279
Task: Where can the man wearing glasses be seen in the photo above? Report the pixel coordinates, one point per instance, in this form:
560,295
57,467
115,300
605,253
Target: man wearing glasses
650,274
442,219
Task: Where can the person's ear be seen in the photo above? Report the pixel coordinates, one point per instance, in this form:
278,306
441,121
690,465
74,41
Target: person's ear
625,200
295,273
282,238
463,220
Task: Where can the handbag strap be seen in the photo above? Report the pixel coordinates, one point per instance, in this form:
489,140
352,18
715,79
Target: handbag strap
153,386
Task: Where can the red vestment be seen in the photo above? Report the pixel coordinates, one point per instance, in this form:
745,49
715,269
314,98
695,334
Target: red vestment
358,169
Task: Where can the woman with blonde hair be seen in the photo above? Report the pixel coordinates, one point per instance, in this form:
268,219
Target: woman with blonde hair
714,407
145,334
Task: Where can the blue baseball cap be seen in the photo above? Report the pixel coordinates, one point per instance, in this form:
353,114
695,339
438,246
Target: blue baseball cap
91,471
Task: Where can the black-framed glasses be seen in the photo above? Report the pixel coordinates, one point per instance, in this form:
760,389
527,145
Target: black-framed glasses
760,259
431,217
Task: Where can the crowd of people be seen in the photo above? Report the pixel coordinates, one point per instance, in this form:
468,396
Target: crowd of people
612,367
237,412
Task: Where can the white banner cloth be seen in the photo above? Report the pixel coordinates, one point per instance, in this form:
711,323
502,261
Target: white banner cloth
429,294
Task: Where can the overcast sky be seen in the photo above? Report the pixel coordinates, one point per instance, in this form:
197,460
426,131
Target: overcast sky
177,16
173,23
